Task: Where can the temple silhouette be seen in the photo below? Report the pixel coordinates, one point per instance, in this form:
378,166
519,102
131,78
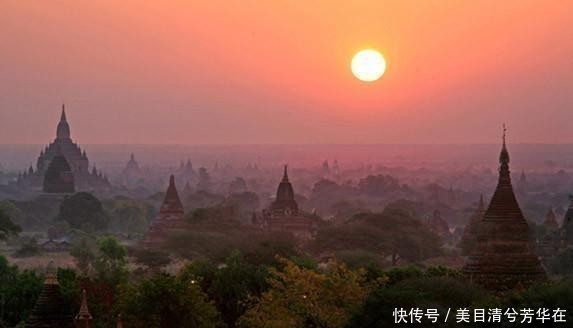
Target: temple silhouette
57,160
171,219
283,214
503,259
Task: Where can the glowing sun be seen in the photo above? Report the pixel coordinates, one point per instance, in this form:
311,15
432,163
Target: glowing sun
368,65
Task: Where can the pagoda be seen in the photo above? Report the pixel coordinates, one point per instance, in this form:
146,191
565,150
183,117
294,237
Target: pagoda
132,173
171,218
283,213
77,160
50,309
503,259
84,318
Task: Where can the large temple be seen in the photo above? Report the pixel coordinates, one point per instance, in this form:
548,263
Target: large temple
284,215
171,218
77,160
503,259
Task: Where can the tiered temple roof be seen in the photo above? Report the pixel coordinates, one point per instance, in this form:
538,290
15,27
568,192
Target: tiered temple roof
503,258
284,215
50,310
285,202
59,177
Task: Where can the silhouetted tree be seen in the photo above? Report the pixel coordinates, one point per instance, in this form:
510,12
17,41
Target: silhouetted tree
7,227
83,211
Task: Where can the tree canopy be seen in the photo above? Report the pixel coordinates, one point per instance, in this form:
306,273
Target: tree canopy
7,227
83,211
392,233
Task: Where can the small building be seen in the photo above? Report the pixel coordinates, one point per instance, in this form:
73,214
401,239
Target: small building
55,245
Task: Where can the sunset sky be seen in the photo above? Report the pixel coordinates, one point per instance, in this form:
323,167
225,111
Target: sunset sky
252,71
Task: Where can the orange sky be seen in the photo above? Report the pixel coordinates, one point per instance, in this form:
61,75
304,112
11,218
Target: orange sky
252,71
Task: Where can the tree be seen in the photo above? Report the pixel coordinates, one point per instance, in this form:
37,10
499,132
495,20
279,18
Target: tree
154,260
83,211
165,301
84,255
551,295
247,201
415,289
111,261
379,185
129,216
392,233
7,227
231,286
29,248
562,263
300,297
239,185
18,293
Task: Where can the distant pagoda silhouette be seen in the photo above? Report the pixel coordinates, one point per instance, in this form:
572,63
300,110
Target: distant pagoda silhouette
503,259
171,218
283,214
77,160
285,202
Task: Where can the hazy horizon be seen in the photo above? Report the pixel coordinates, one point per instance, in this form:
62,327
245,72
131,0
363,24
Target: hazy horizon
191,72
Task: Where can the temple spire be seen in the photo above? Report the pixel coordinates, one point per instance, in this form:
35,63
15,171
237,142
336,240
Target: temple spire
481,205
84,317
504,176
285,174
172,202
63,116
63,130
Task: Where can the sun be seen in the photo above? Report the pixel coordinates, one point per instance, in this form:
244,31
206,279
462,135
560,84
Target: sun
368,65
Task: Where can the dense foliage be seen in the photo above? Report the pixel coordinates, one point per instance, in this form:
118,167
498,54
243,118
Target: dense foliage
83,211
7,227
